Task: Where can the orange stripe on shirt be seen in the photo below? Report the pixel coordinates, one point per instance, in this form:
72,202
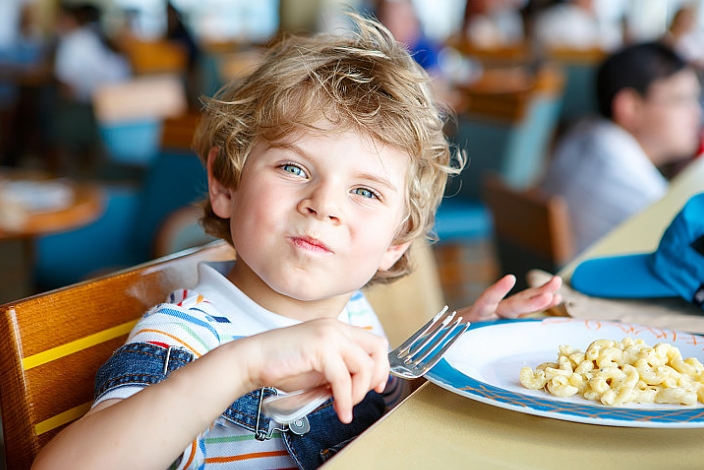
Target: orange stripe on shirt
253,455
194,445
175,338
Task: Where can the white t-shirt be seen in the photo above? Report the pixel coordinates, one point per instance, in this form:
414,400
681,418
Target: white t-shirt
84,63
213,313
605,177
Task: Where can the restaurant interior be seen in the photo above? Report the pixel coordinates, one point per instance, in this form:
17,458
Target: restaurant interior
511,97
94,187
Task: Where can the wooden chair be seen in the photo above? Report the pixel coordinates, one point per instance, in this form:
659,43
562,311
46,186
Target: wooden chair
493,55
531,229
52,344
177,131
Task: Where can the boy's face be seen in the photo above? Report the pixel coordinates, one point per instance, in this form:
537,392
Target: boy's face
314,217
669,119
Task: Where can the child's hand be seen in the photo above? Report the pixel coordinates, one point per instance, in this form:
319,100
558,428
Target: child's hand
491,305
350,359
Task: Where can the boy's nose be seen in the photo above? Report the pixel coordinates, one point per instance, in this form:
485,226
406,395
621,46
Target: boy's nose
320,203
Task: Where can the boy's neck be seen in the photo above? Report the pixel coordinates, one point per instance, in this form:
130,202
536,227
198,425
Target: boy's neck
264,296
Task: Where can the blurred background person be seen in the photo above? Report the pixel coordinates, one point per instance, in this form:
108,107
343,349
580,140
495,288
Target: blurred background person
608,169
25,87
85,59
493,23
575,24
179,33
686,37
401,18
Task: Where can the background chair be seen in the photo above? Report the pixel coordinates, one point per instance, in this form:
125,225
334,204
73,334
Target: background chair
580,67
177,131
531,229
506,125
130,116
52,344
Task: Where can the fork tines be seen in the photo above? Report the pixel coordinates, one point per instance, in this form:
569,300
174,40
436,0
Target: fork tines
438,332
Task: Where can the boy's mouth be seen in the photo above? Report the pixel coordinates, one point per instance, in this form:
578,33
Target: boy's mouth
310,244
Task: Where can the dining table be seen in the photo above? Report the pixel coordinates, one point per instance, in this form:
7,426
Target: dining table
438,427
34,204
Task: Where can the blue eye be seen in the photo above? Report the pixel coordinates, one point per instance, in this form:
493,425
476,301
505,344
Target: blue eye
293,169
364,192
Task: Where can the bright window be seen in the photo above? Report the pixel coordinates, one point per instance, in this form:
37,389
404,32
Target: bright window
209,20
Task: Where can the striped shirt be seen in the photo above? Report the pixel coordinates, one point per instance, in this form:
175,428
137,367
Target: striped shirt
213,313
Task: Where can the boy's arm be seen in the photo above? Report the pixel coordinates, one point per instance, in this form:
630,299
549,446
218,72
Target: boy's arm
492,305
153,427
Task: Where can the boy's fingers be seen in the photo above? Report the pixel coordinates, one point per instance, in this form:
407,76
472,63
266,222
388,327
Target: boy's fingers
360,364
487,304
336,372
532,299
377,349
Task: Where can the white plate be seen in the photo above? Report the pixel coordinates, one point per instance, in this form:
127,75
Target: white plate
484,364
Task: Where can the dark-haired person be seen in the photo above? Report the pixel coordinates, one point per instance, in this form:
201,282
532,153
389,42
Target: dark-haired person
85,60
609,168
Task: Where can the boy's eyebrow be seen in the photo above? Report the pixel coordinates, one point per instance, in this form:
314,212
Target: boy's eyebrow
379,180
366,176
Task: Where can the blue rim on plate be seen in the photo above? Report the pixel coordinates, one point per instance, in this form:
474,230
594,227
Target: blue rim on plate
449,377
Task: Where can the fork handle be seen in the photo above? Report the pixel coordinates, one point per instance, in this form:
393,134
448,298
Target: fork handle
287,407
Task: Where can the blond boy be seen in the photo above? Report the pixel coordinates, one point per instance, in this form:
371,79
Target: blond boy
323,167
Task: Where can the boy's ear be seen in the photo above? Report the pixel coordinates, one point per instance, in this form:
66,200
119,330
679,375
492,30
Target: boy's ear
220,195
393,254
626,109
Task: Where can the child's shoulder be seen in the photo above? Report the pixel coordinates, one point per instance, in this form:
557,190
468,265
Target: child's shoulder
186,319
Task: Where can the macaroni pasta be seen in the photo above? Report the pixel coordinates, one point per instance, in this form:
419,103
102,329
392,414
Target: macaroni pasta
620,372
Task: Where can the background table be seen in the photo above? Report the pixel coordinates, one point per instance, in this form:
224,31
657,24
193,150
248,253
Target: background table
16,246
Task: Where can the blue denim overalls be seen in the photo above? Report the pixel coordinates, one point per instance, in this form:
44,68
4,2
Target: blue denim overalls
310,443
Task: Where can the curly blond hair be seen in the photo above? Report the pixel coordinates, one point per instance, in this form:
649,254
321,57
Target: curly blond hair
363,81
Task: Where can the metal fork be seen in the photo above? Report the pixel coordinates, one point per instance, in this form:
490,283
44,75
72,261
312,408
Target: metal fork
412,359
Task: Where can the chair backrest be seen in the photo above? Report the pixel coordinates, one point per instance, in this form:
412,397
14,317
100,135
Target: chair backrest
52,344
176,179
130,114
508,132
177,132
495,54
531,229
580,66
